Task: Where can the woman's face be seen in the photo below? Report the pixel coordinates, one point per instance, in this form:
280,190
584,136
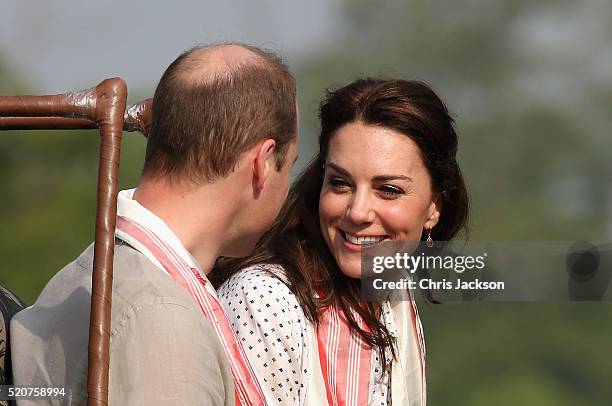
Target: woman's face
376,188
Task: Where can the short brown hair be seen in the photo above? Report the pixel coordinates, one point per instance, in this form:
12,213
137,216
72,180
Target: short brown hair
200,128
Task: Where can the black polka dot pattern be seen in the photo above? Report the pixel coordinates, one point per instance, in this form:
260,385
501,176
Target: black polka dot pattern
269,323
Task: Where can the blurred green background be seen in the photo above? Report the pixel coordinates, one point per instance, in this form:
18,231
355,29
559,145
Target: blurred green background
530,86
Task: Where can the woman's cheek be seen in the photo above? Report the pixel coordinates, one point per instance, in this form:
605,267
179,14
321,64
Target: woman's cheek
330,206
402,222
325,215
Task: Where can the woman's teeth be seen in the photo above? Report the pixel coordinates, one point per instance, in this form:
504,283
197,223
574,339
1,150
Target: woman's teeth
363,240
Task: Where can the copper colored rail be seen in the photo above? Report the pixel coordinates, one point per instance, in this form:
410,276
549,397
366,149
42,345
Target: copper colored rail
102,106
136,118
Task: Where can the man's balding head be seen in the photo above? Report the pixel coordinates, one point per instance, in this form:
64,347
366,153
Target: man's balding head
212,104
201,64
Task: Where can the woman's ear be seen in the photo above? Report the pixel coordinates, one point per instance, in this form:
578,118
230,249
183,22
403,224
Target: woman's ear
264,162
433,213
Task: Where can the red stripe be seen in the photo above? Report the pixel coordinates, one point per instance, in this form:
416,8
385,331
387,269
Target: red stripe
248,391
345,360
325,340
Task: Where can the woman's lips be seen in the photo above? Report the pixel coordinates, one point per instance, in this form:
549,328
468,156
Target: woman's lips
356,243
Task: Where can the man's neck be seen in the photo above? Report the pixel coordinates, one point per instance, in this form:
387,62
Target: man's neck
199,216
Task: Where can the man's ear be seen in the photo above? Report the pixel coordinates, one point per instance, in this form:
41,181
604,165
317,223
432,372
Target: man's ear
264,162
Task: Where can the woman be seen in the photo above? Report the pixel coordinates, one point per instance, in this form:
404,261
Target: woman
385,171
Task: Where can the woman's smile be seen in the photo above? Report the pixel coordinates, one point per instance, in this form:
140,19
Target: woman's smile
356,243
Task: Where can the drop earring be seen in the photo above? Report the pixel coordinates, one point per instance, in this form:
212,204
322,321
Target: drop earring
430,242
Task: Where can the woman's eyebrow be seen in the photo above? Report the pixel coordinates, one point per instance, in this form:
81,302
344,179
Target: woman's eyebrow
386,178
339,169
377,178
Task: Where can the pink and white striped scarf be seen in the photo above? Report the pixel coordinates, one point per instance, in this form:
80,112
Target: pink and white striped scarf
248,392
345,360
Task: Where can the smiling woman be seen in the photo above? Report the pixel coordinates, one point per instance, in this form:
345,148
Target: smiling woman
385,195
386,170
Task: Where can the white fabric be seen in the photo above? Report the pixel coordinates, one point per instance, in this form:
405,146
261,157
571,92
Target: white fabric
282,344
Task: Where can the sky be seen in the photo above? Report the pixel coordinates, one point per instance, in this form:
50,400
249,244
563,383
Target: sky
65,45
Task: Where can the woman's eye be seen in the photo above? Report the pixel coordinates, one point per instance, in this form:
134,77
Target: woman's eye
338,184
391,192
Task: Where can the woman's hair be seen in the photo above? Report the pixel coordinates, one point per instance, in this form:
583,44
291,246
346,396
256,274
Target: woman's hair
295,241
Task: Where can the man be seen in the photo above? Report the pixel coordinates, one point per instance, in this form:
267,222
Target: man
217,167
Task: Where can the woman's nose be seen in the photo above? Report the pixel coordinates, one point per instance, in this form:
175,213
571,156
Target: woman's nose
360,209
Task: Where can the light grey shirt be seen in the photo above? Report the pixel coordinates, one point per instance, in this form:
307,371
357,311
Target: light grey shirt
162,348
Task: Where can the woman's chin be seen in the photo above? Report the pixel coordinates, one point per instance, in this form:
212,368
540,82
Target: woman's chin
351,270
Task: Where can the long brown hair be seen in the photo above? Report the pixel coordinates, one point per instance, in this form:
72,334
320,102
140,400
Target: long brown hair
295,241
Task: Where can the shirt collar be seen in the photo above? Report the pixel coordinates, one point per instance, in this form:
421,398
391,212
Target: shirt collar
130,208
